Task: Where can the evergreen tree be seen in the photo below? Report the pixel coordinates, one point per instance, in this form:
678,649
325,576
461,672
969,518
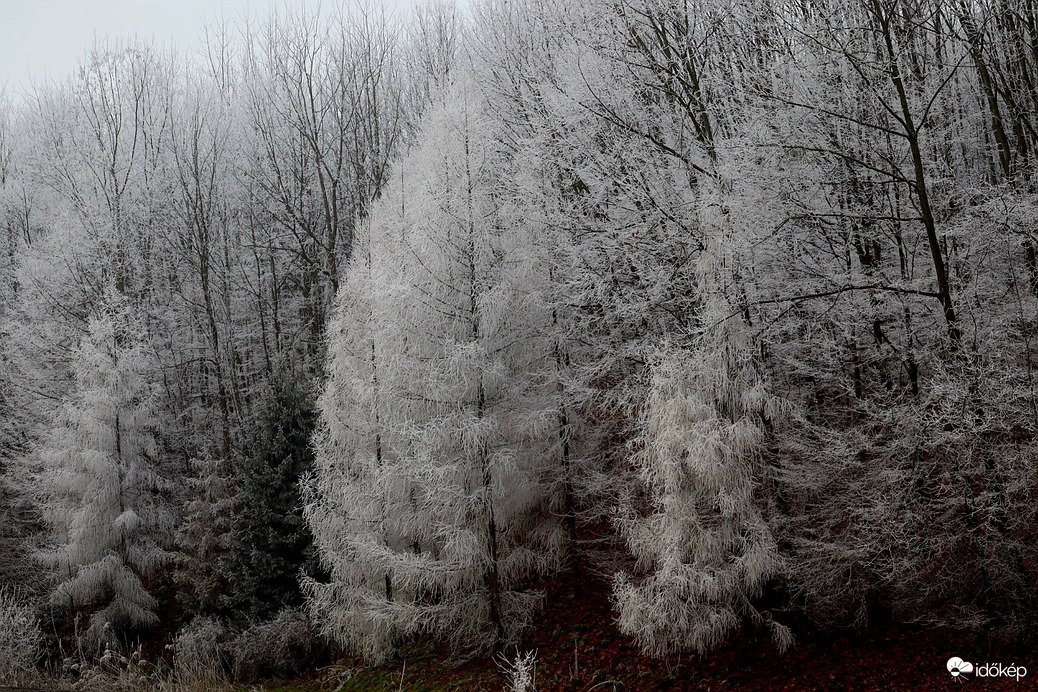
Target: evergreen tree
357,510
204,538
707,549
453,462
270,541
102,472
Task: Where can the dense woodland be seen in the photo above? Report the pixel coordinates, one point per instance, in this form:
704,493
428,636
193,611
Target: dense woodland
386,322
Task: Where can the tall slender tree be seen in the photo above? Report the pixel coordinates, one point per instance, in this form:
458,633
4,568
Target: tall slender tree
455,432
102,469
270,541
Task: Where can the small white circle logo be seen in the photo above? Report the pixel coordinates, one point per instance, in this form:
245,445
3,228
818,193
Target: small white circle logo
956,666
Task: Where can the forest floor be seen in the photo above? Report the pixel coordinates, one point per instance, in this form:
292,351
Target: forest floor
579,649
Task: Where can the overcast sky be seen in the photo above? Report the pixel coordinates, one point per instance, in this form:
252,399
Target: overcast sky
45,38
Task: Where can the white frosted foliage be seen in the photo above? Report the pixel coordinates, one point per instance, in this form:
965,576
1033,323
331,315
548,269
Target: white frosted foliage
432,501
703,549
100,472
704,545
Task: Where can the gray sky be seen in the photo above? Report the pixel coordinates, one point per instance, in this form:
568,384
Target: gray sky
45,38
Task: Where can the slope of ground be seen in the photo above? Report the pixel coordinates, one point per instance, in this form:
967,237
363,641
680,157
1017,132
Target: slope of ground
580,650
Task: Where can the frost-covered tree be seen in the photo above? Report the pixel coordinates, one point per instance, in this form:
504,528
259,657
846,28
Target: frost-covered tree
102,473
325,104
356,509
627,138
890,302
704,546
449,450
613,204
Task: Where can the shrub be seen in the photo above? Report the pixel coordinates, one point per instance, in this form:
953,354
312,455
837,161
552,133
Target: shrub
521,671
20,639
113,672
281,647
198,653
